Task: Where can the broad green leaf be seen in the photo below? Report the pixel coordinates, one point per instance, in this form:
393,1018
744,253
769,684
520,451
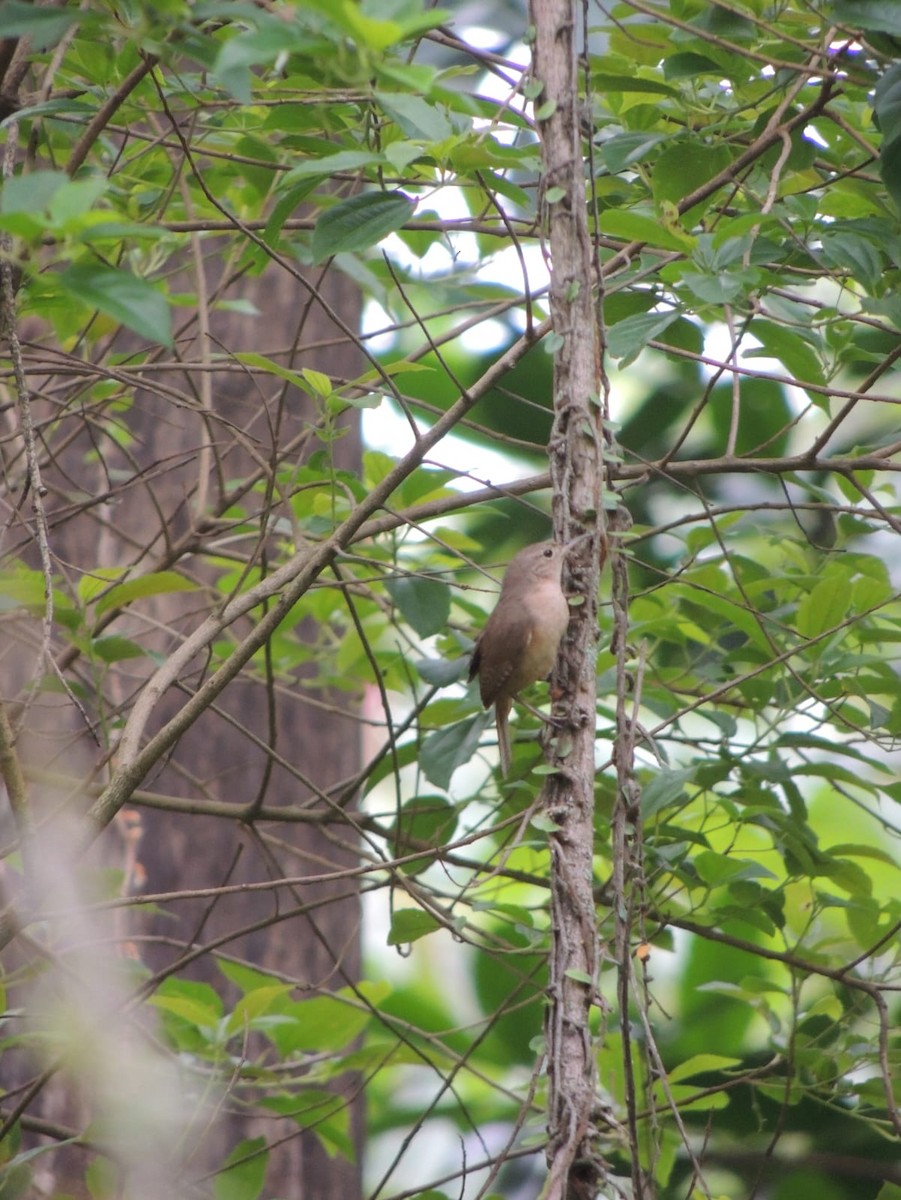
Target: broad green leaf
326,1115
881,16
325,1023
103,1178
685,166
411,924
446,749
716,869
192,1011
628,337
859,851
442,672
625,149
417,118
244,977
635,227
825,605
423,820
156,584
255,1004
243,1175
424,603
261,362
31,193
75,199
360,222
664,789
854,253
42,26
330,164
126,298
115,649
701,1064
790,348
606,81
688,64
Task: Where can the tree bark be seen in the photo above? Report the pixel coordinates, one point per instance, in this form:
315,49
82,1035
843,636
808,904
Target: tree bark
575,1169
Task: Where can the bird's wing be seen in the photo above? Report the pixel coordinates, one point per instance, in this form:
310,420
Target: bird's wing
495,657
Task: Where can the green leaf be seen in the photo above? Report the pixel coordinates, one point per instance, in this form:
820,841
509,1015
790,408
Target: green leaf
103,1178
245,978
331,164
628,337
607,81
825,606
31,193
325,1023
423,821
701,1064
423,603
624,149
637,228
126,298
261,362
685,166
717,869
411,924
116,649
42,26
243,1174
790,349
360,222
193,1011
881,16
156,584
255,1004
417,118
442,672
446,749
856,254
687,64
664,789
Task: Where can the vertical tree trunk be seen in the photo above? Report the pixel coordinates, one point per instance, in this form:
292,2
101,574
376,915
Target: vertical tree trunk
575,1169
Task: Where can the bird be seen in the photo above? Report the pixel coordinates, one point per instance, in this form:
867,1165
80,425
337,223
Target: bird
521,637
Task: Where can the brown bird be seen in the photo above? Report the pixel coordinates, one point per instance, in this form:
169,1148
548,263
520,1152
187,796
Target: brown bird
519,643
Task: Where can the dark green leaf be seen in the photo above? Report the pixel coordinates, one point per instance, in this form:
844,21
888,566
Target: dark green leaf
882,16
665,788
446,749
423,820
360,222
418,119
629,337
424,603
126,298
790,348
625,149
42,26
686,65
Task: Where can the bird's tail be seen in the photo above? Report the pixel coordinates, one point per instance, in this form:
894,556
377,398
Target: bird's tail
501,712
